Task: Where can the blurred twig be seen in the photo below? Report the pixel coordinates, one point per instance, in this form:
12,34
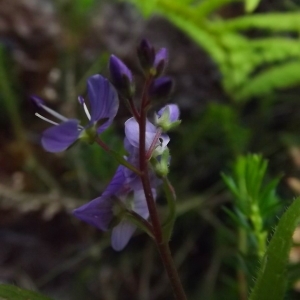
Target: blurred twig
26,202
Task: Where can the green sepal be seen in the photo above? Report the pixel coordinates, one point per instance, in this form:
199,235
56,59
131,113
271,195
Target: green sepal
161,167
10,292
271,281
168,225
164,121
89,135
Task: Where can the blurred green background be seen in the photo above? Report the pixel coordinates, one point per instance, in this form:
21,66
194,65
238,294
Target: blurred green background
236,67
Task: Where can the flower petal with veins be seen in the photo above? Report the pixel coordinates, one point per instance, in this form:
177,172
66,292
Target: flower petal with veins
60,137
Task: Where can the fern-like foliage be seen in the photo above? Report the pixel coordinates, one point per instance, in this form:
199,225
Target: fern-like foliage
250,67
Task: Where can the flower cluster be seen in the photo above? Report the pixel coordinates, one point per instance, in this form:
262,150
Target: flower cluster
124,197
125,191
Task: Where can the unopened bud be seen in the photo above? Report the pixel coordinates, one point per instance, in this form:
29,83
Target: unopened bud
161,88
160,62
146,55
168,117
121,76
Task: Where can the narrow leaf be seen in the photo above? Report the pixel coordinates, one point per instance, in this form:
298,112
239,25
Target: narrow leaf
271,281
272,21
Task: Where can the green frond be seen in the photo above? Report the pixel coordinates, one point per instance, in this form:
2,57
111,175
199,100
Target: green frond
237,56
277,77
280,22
206,7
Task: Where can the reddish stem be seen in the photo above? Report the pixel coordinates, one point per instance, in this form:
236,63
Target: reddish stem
162,246
102,144
134,111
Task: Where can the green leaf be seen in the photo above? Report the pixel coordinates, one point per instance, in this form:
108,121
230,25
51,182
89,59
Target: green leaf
272,21
205,8
278,77
10,292
251,5
271,281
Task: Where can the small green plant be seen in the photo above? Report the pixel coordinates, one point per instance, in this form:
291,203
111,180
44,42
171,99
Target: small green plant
255,207
255,201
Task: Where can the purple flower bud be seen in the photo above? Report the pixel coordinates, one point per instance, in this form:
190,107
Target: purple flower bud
146,55
173,112
121,76
160,62
168,117
161,87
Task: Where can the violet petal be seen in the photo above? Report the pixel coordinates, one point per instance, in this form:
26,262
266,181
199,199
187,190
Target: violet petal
59,138
164,139
116,185
117,70
132,133
161,87
121,235
97,212
161,55
173,112
104,100
140,203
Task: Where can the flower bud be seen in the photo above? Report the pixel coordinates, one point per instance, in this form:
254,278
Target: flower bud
160,62
161,88
161,165
121,76
146,55
168,117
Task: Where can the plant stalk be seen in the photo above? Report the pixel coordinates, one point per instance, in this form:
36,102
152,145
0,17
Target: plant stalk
163,247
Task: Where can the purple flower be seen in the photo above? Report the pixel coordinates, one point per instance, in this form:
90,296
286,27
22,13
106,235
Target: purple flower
104,104
111,206
155,140
155,144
